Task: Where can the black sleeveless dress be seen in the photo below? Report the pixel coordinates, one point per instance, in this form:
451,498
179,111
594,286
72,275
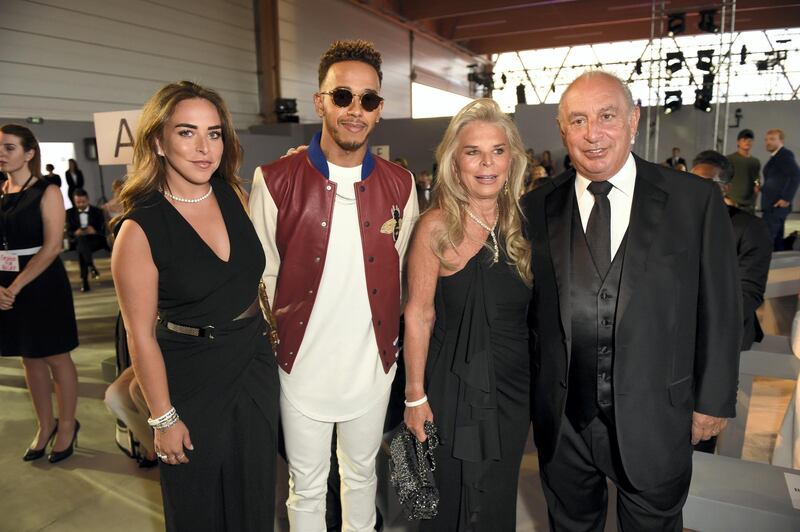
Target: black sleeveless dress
224,388
42,321
478,381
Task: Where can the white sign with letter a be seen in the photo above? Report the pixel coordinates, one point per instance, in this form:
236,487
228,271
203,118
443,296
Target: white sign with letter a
115,132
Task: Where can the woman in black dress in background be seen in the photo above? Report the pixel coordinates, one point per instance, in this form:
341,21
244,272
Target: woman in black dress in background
37,318
74,177
188,258
466,337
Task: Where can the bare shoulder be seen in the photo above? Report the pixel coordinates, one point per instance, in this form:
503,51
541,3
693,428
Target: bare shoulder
131,242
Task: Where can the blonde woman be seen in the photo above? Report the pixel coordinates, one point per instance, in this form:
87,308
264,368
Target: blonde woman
466,339
186,265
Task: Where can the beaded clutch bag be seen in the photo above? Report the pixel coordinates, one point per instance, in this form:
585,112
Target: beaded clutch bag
411,467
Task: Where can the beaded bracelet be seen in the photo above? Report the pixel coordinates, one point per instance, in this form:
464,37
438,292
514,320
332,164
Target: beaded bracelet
165,421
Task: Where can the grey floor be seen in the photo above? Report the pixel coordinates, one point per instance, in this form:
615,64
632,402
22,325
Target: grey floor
100,489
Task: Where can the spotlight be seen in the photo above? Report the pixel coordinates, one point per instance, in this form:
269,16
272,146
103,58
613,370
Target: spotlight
703,97
773,59
521,99
673,101
638,67
707,21
503,78
483,79
743,55
676,24
702,100
704,60
674,61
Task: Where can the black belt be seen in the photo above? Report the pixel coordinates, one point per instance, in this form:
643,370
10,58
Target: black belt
208,330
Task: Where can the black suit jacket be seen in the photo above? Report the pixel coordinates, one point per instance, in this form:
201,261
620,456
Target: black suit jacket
96,220
754,250
673,163
781,177
678,318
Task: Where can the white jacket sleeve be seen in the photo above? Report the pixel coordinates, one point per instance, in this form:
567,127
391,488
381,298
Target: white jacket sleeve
264,214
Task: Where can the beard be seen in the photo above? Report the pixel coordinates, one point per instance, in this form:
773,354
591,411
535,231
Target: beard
344,144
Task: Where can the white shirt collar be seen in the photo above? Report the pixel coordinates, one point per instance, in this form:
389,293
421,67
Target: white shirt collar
771,154
624,180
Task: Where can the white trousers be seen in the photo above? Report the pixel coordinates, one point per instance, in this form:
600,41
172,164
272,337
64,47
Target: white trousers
308,448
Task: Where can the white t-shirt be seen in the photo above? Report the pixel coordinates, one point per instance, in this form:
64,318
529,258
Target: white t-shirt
338,374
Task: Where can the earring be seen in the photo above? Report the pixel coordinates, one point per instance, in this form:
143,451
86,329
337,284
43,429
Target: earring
505,187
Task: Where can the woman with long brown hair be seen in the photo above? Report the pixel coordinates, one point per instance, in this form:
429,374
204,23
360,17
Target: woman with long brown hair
466,337
186,265
37,317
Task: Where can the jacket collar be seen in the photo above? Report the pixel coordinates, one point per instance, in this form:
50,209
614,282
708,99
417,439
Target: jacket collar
319,161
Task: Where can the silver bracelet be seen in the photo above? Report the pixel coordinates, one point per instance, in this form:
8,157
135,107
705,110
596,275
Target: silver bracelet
162,423
418,402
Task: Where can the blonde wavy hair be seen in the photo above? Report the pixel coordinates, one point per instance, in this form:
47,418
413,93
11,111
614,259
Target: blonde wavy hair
451,198
149,170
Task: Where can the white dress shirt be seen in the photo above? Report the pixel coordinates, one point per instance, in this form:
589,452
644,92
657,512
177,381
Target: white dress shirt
83,216
620,197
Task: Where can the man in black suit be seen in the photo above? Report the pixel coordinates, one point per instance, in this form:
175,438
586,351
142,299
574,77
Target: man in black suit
781,177
635,320
676,159
86,229
753,250
752,241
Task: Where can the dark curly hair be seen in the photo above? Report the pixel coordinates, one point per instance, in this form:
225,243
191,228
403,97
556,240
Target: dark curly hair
357,50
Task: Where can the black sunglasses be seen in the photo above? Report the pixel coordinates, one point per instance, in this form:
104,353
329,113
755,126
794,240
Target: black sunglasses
344,97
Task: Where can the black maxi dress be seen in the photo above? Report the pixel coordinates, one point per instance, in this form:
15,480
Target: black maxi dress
225,388
42,321
478,381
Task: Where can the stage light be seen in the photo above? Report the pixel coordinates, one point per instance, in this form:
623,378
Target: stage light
703,96
704,60
676,24
674,61
521,98
638,67
773,59
743,55
707,21
673,101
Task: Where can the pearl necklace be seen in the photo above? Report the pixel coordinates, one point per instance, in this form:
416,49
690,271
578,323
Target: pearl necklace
490,230
189,200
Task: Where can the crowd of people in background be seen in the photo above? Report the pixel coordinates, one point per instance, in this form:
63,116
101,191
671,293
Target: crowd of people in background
196,261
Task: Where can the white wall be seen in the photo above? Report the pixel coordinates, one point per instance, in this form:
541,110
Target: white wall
65,60
308,27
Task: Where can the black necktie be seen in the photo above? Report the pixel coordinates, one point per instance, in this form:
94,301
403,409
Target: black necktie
598,230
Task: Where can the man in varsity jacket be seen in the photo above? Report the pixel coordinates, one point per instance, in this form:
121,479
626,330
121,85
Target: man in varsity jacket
335,223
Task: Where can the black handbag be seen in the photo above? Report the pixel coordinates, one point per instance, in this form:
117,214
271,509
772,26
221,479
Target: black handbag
411,466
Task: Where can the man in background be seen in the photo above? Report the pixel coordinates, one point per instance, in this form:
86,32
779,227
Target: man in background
781,177
676,159
753,251
746,171
86,231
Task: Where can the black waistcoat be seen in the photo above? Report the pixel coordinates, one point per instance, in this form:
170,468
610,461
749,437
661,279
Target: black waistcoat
593,301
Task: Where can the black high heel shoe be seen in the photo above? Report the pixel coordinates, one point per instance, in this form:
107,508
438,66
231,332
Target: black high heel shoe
35,454
57,456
